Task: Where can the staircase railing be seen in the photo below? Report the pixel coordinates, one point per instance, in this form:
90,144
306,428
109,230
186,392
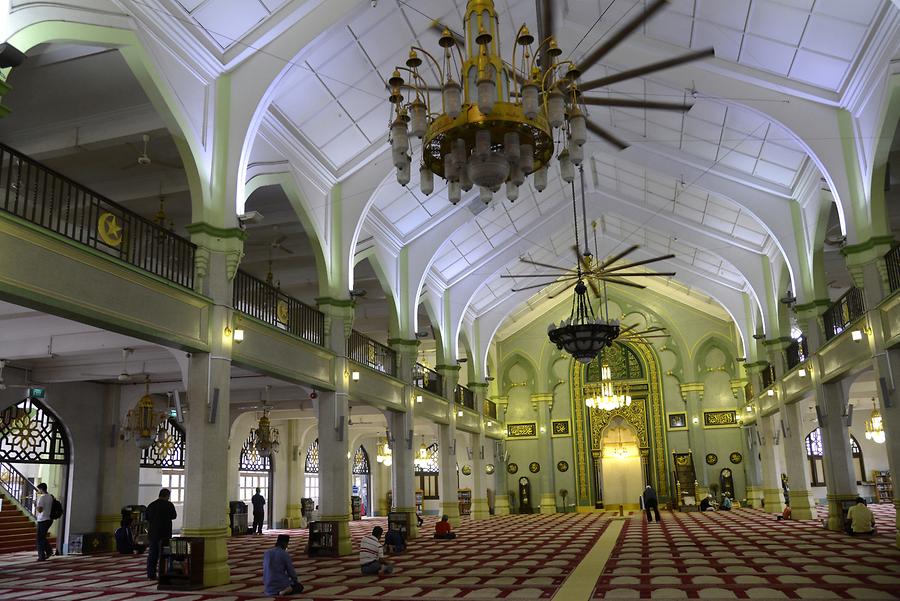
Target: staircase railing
38,194
18,487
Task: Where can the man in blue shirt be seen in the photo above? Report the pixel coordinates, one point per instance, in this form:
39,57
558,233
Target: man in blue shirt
279,577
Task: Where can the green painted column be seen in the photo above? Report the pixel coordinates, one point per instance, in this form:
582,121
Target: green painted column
447,447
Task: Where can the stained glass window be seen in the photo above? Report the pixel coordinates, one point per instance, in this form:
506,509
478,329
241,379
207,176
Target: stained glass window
311,466
361,461
29,433
251,460
815,452
169,452
427,472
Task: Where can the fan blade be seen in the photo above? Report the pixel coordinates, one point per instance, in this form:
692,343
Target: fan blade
285,249
646,69
637,263
626,330
622,282
620,35
602,133
539,264
594,288
649,274
544,285
539,275
561,290
615,258
277,241
636,104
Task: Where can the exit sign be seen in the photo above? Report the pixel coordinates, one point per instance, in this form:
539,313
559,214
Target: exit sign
37,393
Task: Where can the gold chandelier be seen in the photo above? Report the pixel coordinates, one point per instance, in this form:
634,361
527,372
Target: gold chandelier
607,396
421,458
266,436
874,425
384,453
143,424
496,119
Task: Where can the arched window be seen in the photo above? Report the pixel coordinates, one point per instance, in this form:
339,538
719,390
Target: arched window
168,451
361,461
255,471
427,472
362,479
311,467
251,460
29,433
815,453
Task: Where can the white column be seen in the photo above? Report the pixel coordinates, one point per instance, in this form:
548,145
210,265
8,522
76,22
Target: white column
402,468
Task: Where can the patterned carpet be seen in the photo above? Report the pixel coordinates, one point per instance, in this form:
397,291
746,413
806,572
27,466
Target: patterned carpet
509,557
746,554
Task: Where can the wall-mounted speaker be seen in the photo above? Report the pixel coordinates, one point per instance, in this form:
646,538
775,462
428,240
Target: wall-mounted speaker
213,407
409,440
848,419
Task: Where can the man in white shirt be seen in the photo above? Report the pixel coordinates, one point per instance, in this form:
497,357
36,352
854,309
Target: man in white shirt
860,519
371,554
43,506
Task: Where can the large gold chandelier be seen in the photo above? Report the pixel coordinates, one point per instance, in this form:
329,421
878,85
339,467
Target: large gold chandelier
607,396
143,424
496,120
384,453
266,436
874,426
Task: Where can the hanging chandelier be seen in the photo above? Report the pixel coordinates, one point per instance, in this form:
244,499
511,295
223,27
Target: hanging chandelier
496,120
582,335
606,397
266,436
874,426
143,424
384,453
421,458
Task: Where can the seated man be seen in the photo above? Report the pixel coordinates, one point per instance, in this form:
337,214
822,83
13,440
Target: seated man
726,503
785,515
279,577
371,554
860,519
707,504
393,541
124,537
442,529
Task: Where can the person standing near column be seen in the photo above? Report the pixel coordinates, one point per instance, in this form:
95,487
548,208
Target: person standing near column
43,507
651,502
259,508
159,514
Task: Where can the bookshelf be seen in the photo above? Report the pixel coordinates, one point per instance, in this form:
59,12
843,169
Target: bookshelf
356,507
181,565
323,539
465,501
400,522
884,486
420,501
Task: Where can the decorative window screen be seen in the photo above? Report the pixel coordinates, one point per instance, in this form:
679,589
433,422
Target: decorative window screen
30,434
311,466
361,461
169,453
251,460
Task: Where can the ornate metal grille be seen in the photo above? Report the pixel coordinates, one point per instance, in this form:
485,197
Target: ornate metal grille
29,433
169,452
251,460
361,462
432,464
623,363
311,466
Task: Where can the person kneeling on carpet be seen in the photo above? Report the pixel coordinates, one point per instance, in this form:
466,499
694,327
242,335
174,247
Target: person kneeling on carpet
279,577
707,504
371,554
442,529
860,519
726,503
393,541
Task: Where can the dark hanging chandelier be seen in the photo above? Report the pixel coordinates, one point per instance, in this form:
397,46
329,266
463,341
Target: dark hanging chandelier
583,335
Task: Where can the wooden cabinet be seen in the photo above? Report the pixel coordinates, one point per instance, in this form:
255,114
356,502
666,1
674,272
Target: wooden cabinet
465,501
181,564
323,539
356,507
884,487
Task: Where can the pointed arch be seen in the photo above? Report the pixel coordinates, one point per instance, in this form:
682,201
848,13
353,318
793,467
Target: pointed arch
31,433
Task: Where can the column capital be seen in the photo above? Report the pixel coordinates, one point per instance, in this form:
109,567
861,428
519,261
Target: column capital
692,387
337,308
813,308
756,367
868,251
447,368
778,344
403,345
210,239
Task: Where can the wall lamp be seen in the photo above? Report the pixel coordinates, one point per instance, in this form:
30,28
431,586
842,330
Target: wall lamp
236,334
695,420
856,335
770,392
749,408
459,413
418,398
802,372
490,424
354,375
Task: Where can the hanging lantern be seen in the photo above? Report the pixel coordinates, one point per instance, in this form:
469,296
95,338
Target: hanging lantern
875,426
143,425
266,436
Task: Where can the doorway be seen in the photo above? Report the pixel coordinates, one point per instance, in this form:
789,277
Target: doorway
619,470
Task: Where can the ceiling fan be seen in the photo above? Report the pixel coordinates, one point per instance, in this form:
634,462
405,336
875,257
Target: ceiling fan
143,156
124,375
631,335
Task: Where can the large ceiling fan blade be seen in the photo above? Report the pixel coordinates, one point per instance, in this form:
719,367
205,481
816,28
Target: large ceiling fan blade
627,329
615,258
594,287
285,249
602,133
642,274
604,48
622,282
636,104
638,263
539,264
544,285
277,241
539,275
646,69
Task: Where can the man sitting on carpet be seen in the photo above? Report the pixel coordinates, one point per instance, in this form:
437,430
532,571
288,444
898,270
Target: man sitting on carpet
726,503
371,554
860,519
707,504
442,529
279,577
393,541
785,515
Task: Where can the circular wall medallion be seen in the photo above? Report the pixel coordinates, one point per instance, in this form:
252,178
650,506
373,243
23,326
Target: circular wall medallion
563,466
467,470
712,459
489,469
534,467
736,457
512,468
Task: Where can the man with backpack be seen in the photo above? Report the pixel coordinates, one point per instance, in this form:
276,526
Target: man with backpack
47,509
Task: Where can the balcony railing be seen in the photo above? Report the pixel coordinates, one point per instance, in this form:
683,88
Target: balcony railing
490,409
892,261
267,303
38,194
843,312
371,353
797,352
428,379
18,487
463,396
768,376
